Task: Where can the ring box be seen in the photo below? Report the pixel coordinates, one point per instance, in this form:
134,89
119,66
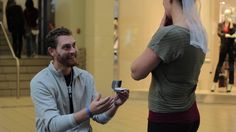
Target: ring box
116,86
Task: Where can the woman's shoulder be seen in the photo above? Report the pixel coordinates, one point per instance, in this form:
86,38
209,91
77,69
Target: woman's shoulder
171,31
173,28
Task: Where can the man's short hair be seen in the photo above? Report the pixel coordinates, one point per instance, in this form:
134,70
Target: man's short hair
51,38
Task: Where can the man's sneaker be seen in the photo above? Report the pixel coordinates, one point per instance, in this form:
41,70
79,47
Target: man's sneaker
229,88
213,87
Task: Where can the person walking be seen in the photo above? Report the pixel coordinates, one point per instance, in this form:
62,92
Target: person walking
15,23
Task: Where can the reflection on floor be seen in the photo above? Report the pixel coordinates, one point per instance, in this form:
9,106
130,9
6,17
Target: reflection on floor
18,115
220,96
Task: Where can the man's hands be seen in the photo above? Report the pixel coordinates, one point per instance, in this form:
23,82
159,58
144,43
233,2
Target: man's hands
108,105
99,105
121,97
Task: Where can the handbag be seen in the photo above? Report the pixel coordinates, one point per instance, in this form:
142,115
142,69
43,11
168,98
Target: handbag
222,81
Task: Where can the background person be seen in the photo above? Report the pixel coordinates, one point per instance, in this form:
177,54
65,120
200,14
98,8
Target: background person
31,15
15,24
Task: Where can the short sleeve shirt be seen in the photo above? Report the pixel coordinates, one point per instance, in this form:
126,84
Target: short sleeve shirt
174,79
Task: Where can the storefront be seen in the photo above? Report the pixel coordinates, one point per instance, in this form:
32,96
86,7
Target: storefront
137,24
115,32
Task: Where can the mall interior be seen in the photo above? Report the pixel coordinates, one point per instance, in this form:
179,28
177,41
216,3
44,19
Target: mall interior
109,35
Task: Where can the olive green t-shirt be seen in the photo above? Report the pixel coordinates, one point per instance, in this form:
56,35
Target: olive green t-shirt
174,79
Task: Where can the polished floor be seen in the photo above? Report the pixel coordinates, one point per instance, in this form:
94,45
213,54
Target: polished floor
18,115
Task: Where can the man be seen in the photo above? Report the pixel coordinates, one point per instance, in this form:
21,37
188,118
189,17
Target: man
64,95
15,24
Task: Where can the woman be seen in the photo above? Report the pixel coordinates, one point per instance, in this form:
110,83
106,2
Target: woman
174,56
31,15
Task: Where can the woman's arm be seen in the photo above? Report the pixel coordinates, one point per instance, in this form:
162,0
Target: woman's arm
144,64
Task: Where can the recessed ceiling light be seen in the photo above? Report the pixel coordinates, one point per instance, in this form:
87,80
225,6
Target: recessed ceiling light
222,2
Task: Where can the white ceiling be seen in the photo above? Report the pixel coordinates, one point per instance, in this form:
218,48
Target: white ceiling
230,2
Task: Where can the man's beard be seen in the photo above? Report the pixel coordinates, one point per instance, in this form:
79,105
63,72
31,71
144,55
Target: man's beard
67,60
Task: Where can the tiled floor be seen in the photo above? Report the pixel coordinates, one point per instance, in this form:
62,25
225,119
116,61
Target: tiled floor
18,115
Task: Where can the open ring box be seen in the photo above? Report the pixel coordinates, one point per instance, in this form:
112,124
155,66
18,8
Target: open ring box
116,86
